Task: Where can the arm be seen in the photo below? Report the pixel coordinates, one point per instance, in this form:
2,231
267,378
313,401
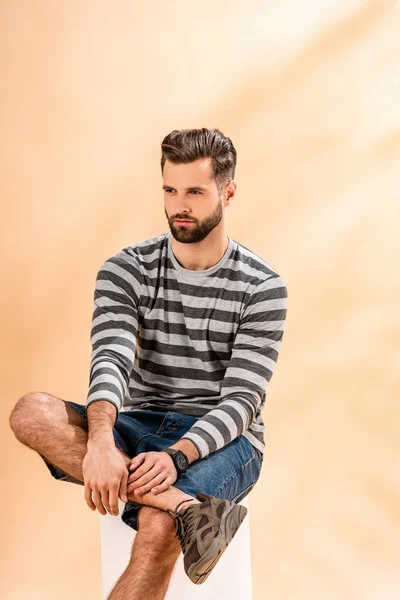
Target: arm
188,447
251,366
101,417
113,338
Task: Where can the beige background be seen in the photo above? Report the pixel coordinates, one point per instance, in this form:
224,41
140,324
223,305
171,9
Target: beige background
310,95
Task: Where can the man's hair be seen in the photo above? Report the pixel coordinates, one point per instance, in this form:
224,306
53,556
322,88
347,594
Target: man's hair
187,145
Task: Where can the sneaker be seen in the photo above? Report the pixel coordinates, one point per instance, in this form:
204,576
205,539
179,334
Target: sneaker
204,531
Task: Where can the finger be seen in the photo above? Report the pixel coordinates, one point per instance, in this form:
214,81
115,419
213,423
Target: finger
135,485
105,499
88,496
113,499
124,487
145,468
97,500
141,469
137,460
155,481
162,486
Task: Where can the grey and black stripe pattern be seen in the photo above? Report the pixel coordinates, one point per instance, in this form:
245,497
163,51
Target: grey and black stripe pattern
203,343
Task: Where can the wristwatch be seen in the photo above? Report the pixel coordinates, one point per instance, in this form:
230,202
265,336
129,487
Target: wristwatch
180,459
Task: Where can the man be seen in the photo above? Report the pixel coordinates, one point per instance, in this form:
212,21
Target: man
186,332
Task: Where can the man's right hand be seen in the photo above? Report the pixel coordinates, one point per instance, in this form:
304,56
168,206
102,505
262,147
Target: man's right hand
105,475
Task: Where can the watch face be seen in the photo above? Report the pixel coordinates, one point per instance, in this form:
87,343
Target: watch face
181,461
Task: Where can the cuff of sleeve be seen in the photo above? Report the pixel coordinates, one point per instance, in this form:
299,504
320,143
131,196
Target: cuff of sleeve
197,441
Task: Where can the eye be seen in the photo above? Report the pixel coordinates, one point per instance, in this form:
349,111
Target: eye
190,191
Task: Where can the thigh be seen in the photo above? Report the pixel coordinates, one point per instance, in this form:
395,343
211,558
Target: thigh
129,429
231,472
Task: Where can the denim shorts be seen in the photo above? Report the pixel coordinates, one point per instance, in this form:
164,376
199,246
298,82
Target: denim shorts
230,472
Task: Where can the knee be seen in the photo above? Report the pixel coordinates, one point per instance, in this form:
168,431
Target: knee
26,410
157,528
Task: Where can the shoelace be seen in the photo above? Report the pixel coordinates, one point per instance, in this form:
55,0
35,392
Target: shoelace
184,527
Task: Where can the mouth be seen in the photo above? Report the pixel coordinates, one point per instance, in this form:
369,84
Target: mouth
182,221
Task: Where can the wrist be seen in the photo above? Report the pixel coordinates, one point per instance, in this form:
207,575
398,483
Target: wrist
101,421
100,441
186,446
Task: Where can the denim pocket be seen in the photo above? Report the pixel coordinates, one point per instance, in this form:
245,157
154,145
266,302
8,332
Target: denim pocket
162,425
172,423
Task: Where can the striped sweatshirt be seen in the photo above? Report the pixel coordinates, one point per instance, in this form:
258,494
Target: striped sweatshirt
203,343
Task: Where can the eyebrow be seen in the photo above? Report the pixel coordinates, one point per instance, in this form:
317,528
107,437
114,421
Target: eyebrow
196,187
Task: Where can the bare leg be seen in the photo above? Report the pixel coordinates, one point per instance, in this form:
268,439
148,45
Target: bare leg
50,426
154,554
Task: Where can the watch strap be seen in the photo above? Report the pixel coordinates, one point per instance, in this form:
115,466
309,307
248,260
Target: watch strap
172,452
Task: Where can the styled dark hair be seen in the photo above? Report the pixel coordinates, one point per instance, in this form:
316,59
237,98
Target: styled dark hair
187,145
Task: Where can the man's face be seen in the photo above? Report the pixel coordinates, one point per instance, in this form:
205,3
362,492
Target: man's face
190,194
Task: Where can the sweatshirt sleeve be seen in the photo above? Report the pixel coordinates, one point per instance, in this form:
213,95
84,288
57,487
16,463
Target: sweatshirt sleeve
252,363
114,329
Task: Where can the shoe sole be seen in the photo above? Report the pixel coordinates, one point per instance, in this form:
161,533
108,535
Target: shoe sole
230,523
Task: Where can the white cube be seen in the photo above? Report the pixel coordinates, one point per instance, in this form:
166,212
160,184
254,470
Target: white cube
229,580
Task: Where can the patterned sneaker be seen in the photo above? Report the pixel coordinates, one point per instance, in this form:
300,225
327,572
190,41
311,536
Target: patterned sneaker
204,531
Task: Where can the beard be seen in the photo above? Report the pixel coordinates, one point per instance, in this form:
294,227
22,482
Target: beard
196,232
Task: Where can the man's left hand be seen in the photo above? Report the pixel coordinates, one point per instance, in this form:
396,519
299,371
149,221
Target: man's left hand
151,471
